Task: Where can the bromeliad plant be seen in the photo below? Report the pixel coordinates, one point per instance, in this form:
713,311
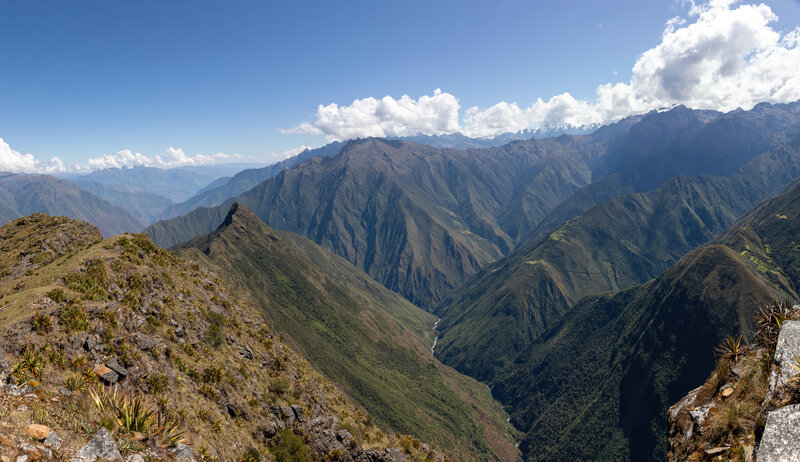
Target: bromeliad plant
133,415
731,348
769,320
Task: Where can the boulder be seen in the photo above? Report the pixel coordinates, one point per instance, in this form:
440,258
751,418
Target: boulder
183,453
786,349
299,414
106,374
102,446
52,441
115,366
781,438
38,431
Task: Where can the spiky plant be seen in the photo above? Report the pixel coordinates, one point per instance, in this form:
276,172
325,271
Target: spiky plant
42,323
769,320
730,348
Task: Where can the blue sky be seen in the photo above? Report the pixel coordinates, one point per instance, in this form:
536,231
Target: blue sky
85,79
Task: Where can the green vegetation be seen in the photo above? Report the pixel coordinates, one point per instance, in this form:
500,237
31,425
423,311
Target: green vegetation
612,246
290,448
91,282
372,342
73,316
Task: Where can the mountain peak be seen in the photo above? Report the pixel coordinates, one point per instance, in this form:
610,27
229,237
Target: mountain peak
239,213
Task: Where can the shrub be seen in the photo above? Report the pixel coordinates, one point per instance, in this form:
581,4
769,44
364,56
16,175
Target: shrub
41,323
57,295
73,316
132,414
156,383
91,282
732,419
279,386
730,348
213,374
769,320
290,448
30,365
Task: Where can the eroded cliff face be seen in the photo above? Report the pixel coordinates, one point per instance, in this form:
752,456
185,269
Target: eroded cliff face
119,349
748,409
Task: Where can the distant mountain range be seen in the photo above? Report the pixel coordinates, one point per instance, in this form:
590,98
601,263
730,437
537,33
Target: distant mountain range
22,195
421,220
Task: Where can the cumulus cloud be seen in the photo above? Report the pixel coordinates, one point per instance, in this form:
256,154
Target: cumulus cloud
720,55
16,162
430,114
170,158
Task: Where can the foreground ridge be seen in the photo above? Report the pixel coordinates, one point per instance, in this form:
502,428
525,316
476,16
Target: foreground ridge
117,348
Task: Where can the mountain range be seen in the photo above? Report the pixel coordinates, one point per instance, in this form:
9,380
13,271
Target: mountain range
584,278
22,194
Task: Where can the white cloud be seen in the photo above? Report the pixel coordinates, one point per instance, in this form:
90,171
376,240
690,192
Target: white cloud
16,162
170,158
722,55
434,114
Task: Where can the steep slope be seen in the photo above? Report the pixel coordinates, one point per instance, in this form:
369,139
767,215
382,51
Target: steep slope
42,193
420,220
244,180
366,338
613,365
416,218
690,143
615,245
598,383
187,362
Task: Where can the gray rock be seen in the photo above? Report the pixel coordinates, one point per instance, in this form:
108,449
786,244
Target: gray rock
145,342
91,342
287,414
183,453
781,439
102,446
52,440
135,458
12,390
110,377
22,458
298,413
115,366
245,352
787,347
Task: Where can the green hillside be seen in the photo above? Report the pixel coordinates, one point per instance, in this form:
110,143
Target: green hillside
598,383
419,220
371,341
612,365
615,245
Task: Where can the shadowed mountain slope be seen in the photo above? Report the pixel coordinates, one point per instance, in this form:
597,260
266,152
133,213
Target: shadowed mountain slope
612,246
371,341
613,365
695,142
26,194
416,218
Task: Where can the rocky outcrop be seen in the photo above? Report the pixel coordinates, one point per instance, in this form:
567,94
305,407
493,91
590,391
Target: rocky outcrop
786,362
781,439
130,321
101,447
748,410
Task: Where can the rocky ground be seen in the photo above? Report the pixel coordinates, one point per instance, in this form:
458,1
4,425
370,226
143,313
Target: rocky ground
118,350
748,409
